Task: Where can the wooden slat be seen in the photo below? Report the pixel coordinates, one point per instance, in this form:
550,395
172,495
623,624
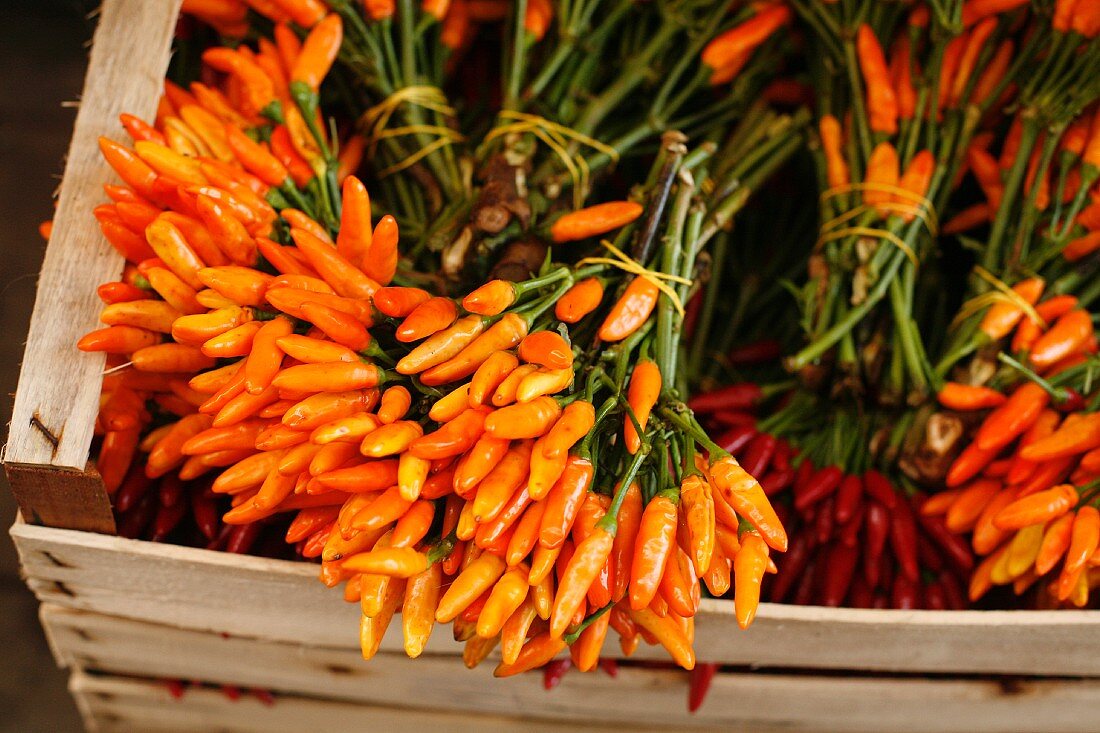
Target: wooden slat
57,396
124,705
410,693
282,601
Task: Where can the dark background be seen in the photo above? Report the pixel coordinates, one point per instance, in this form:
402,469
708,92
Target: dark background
43,52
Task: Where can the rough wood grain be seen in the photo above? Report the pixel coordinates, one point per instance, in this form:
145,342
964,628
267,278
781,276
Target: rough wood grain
638,699
124,705
282,601
57,397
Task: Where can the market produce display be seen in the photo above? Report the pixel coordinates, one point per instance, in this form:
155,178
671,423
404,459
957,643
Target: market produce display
543,319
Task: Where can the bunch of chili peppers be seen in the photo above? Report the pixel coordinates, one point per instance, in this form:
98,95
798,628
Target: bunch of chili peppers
516,461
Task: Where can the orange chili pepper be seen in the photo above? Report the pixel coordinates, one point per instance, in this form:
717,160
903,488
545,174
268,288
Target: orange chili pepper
391,439
441,346
642,395
743,38
399,302
346,279
969,464
341,327
1012,418
832,144
318,51
331,377
1084,538
697,509
1068,334
418,608
1029,331
656,535
594,220
964,512
526,535
631,310
430,317
1036,508
543,382
242,285
354,238
489,375
881,175
965,397
1079,433
743,493
535,653
319,409
506,597
314,351
576,420
589,558
1003,316
266,358
882,105
579,300
152,315
490,299
502,482
453,438
546,348
525,420
504,334
477,577
1055,543
748,571
381,262
668,633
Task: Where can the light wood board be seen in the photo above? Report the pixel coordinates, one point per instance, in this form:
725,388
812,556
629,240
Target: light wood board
57,397
411,694
283,601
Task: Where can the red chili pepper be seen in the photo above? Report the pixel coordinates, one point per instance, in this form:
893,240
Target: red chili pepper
928,555
822,484
736,438
842,566
903,541
935,599
758,454
757,352
860,595
954,546
699,680
554,671
777,480
823,522
952,591
906,593
849,532
877,524
804,592
847,497
741,396
792,565
879,488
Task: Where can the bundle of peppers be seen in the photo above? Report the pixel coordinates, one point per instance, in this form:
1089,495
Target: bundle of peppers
511,456
485,392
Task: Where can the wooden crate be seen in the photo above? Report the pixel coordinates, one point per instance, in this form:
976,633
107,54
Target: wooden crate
121,613
124,607
333,687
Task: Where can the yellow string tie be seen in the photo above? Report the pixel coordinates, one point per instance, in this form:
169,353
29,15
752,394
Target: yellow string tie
1001,293
376,123
557,138
626,263
918,207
